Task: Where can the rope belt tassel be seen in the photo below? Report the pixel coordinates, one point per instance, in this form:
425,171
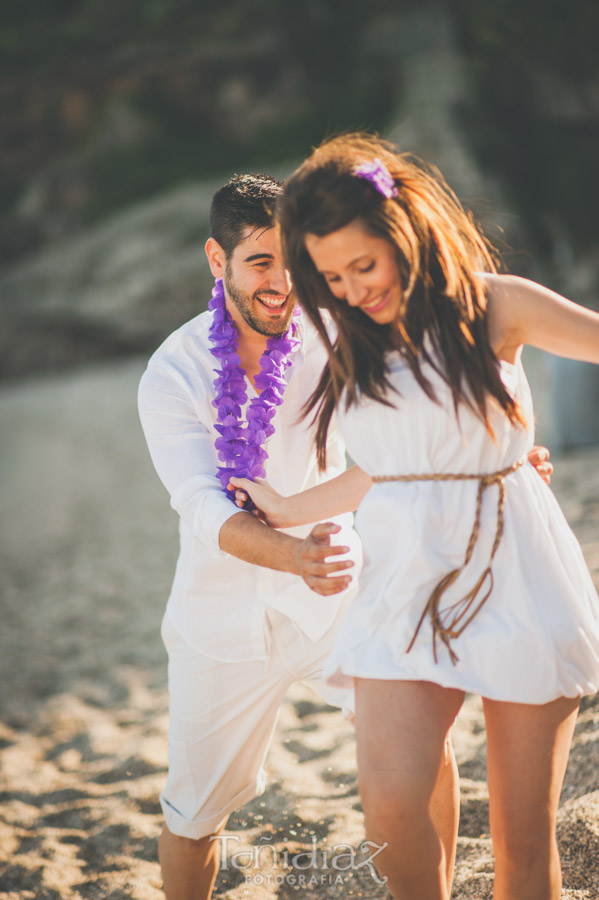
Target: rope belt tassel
451,622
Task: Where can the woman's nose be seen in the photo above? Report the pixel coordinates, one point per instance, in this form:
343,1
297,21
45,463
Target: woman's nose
354,292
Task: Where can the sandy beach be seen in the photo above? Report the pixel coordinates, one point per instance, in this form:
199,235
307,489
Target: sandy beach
87,553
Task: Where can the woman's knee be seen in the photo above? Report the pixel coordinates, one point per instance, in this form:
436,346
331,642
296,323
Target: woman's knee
523,849
393,804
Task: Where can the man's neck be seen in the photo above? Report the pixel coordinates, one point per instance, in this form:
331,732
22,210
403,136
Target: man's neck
251,344
250,348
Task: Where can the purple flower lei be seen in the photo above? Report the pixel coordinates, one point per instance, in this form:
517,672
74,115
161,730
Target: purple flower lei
239,446
377,173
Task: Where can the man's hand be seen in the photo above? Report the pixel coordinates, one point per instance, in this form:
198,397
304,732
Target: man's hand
539,458
312,562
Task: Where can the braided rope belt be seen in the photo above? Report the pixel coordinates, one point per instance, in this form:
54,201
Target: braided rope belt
451,622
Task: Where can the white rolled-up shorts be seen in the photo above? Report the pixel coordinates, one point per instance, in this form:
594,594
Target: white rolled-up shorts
222,719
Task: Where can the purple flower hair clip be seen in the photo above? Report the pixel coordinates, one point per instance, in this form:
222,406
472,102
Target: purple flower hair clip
377,173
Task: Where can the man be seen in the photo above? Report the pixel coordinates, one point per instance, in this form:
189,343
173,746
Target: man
237,635
240,626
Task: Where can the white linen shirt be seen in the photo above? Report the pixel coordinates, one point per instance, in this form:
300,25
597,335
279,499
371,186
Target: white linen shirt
217,601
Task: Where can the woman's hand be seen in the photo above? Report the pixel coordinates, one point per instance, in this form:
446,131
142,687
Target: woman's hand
539,458
271,506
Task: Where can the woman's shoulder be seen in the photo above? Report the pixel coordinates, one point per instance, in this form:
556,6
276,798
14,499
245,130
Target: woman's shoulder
506,289
504,282
506,297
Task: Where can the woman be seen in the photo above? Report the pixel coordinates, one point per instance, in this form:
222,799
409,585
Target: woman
472,579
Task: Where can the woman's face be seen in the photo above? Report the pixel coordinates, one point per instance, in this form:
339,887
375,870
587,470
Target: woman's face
359,268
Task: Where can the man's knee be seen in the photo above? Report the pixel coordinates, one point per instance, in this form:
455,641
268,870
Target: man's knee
178,846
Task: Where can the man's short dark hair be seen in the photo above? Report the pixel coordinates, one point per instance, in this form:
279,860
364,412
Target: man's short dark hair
244,200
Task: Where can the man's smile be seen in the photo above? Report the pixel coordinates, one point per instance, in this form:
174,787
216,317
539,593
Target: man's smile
272,301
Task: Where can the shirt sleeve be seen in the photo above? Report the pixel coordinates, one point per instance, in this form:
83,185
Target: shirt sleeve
181,447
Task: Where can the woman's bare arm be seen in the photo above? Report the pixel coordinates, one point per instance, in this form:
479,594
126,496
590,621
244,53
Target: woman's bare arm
331,498
523,312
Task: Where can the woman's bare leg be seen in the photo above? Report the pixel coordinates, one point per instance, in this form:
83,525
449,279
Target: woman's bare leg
527,754
445,809
401,730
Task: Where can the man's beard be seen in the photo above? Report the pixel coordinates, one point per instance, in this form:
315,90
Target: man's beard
244,303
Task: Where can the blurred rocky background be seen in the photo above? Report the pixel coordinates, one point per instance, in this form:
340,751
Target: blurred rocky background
119,120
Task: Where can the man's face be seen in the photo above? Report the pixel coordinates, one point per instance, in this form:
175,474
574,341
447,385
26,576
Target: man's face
257,285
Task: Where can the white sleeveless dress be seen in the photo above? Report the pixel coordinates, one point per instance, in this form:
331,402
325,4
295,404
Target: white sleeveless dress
537,636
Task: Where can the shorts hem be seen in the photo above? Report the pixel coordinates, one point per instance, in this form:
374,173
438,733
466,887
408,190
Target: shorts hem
202,827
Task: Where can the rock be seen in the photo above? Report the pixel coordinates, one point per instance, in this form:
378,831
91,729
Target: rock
118,287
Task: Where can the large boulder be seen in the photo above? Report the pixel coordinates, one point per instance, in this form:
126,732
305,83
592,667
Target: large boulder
117,288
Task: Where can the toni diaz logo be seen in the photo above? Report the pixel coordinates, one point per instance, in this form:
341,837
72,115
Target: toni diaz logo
306,868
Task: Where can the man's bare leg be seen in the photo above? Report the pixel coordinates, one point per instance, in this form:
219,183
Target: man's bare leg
189,867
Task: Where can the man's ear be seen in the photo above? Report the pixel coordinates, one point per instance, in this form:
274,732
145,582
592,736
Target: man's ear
216,257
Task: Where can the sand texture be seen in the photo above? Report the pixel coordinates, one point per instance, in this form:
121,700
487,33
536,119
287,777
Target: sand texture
87,553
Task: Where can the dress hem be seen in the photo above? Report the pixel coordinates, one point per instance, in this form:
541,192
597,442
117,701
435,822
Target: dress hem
340,678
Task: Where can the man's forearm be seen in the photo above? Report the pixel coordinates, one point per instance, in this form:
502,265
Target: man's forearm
247,538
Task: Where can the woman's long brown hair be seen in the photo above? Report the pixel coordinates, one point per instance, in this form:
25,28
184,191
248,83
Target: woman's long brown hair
439,252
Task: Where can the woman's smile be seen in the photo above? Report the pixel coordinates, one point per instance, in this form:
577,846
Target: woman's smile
375,305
